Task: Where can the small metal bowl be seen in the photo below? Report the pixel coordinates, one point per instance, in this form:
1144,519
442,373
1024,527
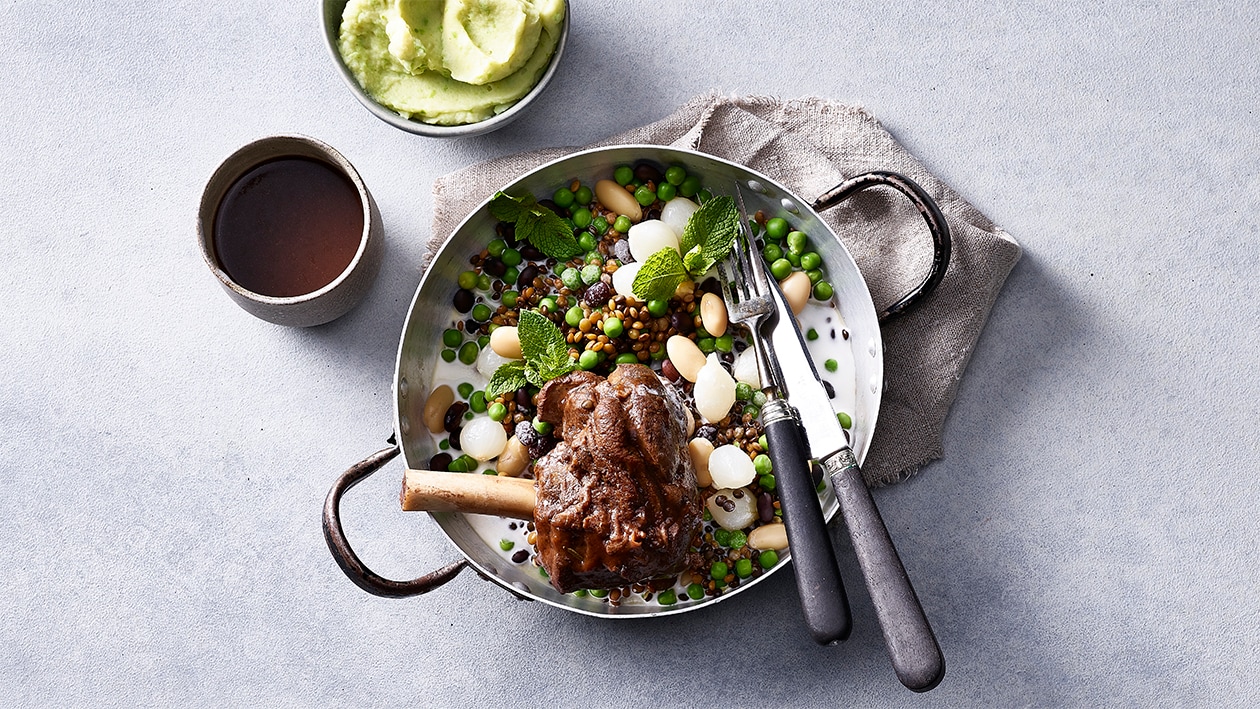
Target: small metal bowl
332,11
324,304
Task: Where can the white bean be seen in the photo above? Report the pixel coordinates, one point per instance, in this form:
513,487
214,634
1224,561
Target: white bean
506,342
685,356
713,314
514,458
618,199
769,536
435,408
796,289
700,450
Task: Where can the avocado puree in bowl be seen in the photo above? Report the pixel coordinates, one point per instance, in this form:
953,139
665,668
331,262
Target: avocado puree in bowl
449,62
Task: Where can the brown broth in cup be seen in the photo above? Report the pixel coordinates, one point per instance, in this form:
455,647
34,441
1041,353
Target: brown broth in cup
288,227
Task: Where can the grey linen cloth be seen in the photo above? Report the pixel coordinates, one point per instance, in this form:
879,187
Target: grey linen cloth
812,145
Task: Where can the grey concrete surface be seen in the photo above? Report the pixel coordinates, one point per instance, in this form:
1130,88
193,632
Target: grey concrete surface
1089,538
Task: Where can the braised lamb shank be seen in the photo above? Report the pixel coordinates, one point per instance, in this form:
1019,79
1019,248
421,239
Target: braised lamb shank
617,501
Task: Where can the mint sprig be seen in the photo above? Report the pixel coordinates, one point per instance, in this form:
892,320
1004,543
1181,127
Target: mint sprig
659,276
546,356
536,224
709,234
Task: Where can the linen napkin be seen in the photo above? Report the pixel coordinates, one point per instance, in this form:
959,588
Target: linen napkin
811,145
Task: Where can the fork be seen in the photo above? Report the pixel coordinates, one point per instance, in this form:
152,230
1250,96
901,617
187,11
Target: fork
746,290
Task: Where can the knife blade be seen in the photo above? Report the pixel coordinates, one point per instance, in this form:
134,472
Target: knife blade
912,646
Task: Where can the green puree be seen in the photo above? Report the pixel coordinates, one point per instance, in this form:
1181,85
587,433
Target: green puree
449,62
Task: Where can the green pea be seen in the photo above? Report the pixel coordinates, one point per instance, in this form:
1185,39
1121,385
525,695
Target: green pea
580,593
815,274
695,591
484,281
497,411
743,568
583,195
657,308
511,274
510,257
665,191
667,597
483,341
722,536
797,242
743,391
622,223
738,539
675,175
811,334
581,217
588,360
768,558
762,464
846,421
706,344
613,327
658,355
707,516
766,482
600,225
548,304
563,197
467,280
780,269
718,571
593,258
468,352
496,247
444,445
761,441
752,410
759,399
542,427
627,358
753,226
448,355
590,273
644,196
477,402
509,298
772,253
810,260
599,593
573,316
623,175
704,196
559,268
481,312
452,337
776,228
823,290
831,365
571,278
465,390
725,343
506,544
701,332
543,573
689,187
457,466
793,258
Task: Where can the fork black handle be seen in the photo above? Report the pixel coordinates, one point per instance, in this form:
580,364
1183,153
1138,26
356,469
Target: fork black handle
823,600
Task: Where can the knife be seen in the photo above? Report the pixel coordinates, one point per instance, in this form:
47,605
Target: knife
915,654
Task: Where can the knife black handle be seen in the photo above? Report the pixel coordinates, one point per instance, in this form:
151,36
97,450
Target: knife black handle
823,600
916,656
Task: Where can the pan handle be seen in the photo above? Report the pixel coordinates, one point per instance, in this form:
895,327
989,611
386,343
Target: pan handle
361,575
936,224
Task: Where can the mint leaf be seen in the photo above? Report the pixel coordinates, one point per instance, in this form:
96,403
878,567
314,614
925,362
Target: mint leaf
712,228
546,353
536,224
510,376
659,276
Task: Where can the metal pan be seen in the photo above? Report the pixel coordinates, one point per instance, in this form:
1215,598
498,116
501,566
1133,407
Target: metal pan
420,346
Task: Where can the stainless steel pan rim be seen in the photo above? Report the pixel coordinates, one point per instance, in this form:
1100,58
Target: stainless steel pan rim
423,327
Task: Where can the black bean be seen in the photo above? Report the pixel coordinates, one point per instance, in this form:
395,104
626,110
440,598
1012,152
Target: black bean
765,508
454,416
831,391
523,398
708,431
530,252
552,206
598,294
494,267
525,433
670,371
844,334
621,249
526,279
453,439
520,556
652,213
682,322
506,231
647,172
463,300
711,285
440,461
